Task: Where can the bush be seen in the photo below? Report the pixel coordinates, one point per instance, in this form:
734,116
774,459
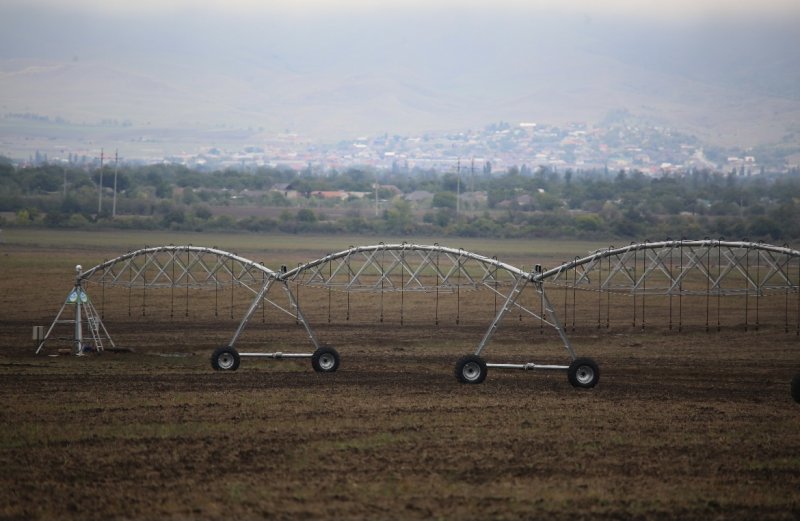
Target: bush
304,215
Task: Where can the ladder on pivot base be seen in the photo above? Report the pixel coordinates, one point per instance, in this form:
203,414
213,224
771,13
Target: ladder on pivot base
85,312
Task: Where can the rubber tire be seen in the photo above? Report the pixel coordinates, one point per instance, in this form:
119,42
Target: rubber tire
325,360
225,358
796,387
583,373
466,368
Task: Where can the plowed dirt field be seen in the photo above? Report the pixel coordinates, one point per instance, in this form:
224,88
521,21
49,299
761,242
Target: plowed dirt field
693,424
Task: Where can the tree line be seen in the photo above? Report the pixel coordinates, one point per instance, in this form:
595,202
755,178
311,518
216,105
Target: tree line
521,202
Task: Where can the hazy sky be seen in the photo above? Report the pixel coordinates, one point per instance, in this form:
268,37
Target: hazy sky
361,66
677,8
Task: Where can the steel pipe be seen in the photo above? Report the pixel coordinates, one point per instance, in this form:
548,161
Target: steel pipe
277,355
530,367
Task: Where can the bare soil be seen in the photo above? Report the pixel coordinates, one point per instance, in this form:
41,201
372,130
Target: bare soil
690,424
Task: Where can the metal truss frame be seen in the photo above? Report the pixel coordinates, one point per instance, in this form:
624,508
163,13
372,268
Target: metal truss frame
403,267
738,268
702,267
189,267
178,266
426,268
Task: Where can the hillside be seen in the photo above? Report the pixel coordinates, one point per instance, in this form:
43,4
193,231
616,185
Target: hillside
341,76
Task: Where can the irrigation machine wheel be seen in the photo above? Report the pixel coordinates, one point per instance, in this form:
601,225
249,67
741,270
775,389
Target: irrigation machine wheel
225,358
471,369
796,387
325,360
584,373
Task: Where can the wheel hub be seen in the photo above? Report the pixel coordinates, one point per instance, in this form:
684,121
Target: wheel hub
471,371
326,361
585,374
225,361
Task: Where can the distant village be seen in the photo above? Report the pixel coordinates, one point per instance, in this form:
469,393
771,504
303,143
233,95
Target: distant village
496,148
524,179
525,145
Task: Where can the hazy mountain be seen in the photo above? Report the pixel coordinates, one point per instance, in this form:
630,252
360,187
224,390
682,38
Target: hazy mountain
336,76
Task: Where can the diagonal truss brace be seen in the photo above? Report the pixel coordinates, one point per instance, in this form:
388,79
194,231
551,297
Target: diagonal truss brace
511,302
702,267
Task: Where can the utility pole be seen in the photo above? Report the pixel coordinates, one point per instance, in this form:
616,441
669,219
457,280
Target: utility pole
458,188
376,193
114,203
472,175
100,187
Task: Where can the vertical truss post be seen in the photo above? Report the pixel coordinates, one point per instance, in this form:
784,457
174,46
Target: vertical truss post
671,278
519,285
402,281
299,315
608,295
574,295
551,312
599,292
458,292
252,309
78,340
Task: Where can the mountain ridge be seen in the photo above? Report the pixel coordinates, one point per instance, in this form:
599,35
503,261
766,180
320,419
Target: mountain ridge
342,77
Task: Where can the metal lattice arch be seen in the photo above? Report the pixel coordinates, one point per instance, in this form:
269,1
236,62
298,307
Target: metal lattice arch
704,267
688,268
178,266
187,267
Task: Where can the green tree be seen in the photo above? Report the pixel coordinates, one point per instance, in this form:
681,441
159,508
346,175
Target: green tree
304,215
176,216
164,190
547,202
188,197
398,217
444,200
202,212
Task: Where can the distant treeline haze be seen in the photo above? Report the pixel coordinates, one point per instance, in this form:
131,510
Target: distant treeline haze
519,203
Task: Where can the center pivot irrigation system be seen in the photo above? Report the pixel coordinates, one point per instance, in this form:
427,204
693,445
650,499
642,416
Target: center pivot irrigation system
674,268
